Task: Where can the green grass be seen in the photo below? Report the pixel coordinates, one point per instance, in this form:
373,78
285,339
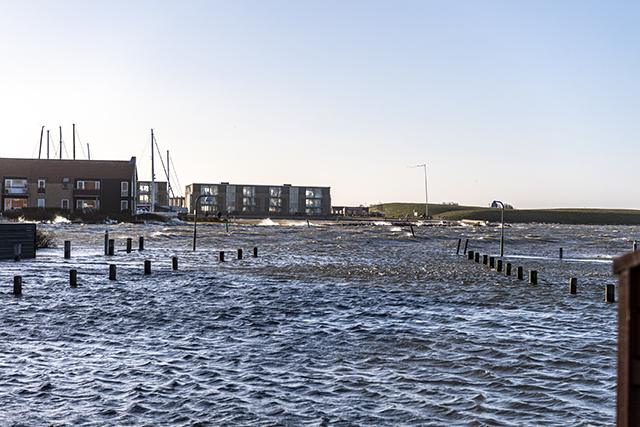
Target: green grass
561,216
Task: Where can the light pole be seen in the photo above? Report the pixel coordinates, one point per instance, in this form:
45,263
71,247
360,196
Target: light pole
495,205
195,218
426,195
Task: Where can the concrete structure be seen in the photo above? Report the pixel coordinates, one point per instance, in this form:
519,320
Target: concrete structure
250,200
350,210
69,185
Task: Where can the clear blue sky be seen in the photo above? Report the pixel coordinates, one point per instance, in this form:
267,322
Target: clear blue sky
535,103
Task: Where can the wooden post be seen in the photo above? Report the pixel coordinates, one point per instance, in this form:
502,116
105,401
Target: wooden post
106,242
627,267
458,249
239,253
485,259
533,277
476,257
221,256
17,251
67,249
411,227
492,262
466,242
499,266
141,243
147,267
520,273
635,246
17,285
129,243
507,269
560,253
112,272
174,263
112,246
610,293
470,255
255,252
73,278
573,285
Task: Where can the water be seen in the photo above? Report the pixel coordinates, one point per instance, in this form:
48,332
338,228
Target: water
331,325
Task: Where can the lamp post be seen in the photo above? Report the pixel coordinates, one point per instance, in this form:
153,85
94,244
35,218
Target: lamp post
195,218
426,196
495,205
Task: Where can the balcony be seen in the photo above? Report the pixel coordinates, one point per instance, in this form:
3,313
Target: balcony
16,191
85,193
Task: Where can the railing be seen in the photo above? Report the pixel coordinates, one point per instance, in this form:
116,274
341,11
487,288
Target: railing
16,190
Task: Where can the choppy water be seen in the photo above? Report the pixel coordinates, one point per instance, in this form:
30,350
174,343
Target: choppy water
331,325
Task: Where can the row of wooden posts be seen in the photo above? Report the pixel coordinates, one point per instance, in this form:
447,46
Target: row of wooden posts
109,250
497,265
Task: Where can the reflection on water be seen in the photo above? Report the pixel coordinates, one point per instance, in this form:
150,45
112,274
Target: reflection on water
330,325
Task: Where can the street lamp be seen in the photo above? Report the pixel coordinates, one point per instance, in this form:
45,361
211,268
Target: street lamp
195,218
426,196
495,205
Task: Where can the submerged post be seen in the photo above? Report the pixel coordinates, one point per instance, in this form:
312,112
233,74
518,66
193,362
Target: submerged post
112,272
470,255
129,241
17,251
560,253
174,263
507,269
476,257
573,285
492,262
499,266
239,253
255,252
627,267
106,242
485,259
466,243
533,277
141,243
67,249
17,285
458,249
112,246
147,267
520,273
73,278
221,256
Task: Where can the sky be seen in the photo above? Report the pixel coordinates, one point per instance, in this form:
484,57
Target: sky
533,103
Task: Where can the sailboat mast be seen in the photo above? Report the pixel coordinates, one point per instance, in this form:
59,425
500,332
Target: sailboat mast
47,144
60,142
40,150
153,178
74,141
168,182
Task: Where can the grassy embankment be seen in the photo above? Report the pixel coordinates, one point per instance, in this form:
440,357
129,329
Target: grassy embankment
561,216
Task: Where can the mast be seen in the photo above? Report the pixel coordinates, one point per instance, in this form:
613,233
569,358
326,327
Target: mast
60,142
88,152
153,179
74,141
40,150
168,183
47,144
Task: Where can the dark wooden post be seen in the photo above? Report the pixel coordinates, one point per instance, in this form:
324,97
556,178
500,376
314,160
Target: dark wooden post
141,243
470,255
560,253
112,246
17,285
129,241
476,257
67,249
533,277
174,263
466,243
458,250
492,262
239,253
520,273
221,256
255,252
147,267
112,272
485,259
627,267
73,278
499,266
573,285
507,269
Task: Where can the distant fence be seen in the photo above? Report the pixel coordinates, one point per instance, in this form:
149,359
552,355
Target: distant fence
17,240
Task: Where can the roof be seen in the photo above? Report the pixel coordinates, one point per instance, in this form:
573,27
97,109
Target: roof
54,170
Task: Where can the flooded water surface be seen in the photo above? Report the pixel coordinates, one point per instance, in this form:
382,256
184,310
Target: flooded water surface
330,325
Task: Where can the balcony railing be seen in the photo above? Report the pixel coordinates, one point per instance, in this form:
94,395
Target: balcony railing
16,190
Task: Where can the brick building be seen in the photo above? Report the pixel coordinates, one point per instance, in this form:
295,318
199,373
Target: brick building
70,185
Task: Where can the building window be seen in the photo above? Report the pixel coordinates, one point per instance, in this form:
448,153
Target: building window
144,187
10,204
41,184
124,189
231,198
16,186
65,204
314,193
124,205
144,198
211,190
275,192
87,204
41,203
88,185
293,200
248,199
65,183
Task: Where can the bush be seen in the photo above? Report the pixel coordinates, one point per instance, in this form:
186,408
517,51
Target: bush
44,239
